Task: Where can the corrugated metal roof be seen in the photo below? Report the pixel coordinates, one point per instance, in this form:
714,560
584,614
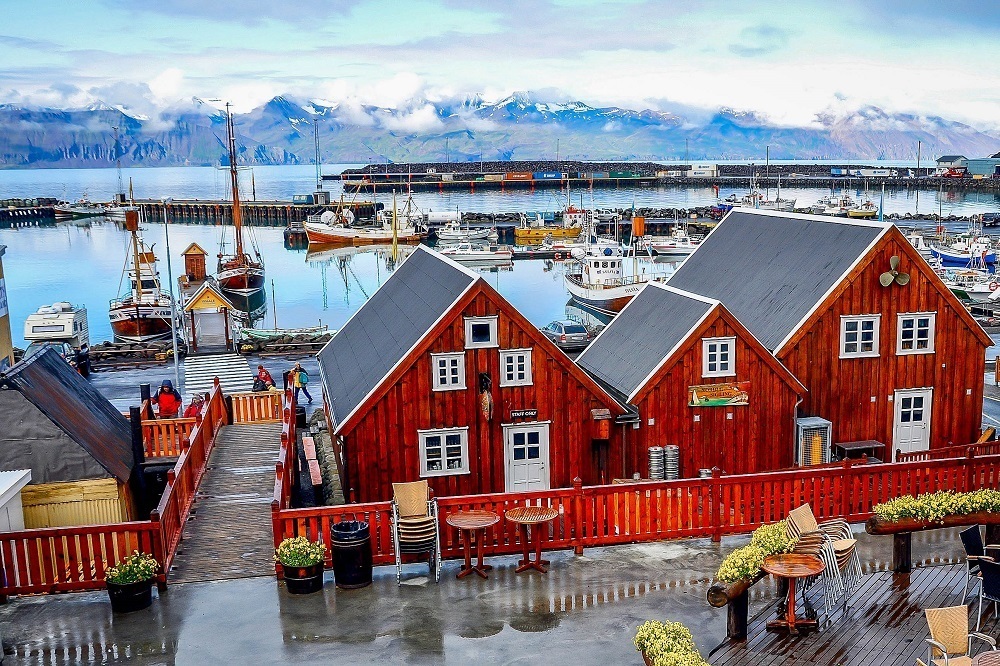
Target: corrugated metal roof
379,335
643,334
950,158
76,407
770,269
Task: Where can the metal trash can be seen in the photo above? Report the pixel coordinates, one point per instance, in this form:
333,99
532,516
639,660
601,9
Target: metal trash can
352,554
300,417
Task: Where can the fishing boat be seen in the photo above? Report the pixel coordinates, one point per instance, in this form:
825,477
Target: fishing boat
478,255
143,314
866,210
968,249
454,231
919,243
833,204
534,230
238,273
337,227
677,244
756,199
598,279
82,208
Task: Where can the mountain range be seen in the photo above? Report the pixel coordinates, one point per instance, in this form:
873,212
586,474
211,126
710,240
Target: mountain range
523,126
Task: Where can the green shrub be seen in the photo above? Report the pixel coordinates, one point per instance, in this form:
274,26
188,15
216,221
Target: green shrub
300,552
134,568
667,644
745,562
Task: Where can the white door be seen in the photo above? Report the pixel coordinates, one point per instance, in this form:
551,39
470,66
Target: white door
527,446
912,431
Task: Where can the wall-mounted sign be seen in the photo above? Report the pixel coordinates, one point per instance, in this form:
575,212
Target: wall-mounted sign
3,298
523,413
719,395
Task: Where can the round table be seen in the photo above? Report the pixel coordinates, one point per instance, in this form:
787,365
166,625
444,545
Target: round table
531,516
991,658
792,566
468,524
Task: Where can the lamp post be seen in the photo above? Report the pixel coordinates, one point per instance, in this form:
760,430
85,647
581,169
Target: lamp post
166,201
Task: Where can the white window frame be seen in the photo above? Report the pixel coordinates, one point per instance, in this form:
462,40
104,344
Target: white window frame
931,332
436,383
730,369
504,355
423,435
493,342
844,319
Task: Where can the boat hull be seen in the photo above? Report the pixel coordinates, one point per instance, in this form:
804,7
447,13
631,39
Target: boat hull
862,214
951,258
241,280
464,235
608,300
538,234
327,235
142,323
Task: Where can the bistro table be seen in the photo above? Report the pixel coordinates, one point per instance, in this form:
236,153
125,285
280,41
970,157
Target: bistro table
991,658
792,566
533,516
468,524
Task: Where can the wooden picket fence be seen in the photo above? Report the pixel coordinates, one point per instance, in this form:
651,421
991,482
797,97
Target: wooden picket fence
261,407
651,511
66,559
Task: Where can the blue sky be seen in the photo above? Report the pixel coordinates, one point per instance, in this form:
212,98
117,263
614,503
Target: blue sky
787,60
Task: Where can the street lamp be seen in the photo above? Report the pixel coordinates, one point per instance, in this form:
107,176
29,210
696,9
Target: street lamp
166,201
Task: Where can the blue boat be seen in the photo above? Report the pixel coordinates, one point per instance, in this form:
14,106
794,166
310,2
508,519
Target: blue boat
964,253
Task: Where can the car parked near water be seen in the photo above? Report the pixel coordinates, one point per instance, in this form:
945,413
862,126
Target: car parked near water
568,335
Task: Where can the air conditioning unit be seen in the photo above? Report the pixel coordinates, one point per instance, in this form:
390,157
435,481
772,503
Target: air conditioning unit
813,438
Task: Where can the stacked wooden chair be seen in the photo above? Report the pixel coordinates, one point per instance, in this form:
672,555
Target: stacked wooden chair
415,526
950,643
834,544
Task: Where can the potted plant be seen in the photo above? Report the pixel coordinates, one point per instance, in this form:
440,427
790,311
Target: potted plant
130,584
667,644
301,563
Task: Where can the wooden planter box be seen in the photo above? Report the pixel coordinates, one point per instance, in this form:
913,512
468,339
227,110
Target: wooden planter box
877,526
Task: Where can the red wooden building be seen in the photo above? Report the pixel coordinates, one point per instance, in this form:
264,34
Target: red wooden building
885,352
437,376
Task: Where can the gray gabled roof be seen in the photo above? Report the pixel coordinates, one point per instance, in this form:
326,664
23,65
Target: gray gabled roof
642,336
950,158
384,330
772,269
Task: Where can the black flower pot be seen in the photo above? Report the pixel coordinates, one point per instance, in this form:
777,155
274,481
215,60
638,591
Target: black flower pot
303,580
130,596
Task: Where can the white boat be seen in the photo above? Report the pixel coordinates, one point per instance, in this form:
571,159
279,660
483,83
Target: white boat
977,283
677,244
468,253
82,208
919,243
144,313
756,199
454,231
117,213
337,227
972,249
833,204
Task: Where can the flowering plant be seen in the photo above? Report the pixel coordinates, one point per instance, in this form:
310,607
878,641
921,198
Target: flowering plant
667,644
133,569
299,552
745,562
935,507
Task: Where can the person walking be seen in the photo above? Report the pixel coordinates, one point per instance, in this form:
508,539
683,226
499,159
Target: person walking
168,399
197,402
300,380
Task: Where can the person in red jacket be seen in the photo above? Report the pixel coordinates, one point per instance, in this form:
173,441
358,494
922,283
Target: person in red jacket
197,402
168,399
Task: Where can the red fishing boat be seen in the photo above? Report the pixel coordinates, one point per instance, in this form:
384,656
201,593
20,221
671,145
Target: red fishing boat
142,314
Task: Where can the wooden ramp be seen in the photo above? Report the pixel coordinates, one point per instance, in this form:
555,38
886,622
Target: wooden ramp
229,532
883,625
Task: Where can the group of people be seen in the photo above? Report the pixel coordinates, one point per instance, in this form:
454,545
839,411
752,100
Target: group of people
170,402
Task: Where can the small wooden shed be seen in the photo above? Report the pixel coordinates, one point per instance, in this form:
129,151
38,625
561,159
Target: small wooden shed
195,263
76,444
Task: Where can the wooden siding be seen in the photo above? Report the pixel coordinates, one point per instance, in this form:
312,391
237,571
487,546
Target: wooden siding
381,444
841,390
65,504
759,437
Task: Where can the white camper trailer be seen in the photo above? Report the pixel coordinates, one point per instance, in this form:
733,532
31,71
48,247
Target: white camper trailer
59,322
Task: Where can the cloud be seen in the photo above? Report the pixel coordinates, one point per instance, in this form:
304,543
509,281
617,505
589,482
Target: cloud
423,119
759,40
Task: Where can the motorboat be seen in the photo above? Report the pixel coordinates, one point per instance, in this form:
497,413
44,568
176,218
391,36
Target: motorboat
833,204
481,255
534,231
677,244
82,208
337,227
967,250
866,210
454,231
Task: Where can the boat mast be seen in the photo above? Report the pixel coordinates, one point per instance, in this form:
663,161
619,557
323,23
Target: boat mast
133,228
118,167
237,215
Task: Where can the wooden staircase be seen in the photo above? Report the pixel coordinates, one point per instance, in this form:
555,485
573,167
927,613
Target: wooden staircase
200,371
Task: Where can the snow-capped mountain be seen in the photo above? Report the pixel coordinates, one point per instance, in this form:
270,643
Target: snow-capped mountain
521,126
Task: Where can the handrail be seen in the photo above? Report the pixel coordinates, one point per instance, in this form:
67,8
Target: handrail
284,471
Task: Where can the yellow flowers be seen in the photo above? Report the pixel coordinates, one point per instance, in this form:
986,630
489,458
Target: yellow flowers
134,568
935,507
745,562
667,644
300,552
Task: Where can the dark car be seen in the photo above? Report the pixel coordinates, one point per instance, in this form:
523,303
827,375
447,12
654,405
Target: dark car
568,335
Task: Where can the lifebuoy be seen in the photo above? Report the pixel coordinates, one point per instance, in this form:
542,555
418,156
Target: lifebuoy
994,285
558,255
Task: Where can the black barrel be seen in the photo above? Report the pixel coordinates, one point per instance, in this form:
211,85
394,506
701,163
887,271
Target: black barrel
352,554
300,417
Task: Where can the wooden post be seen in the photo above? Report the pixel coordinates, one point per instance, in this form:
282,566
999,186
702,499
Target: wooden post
144,398
737,617
229,410
901,562
138,480
996,375
578,512
714,502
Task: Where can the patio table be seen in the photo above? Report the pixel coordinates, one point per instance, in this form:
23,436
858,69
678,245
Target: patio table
533,516
991,658
792,566
468,524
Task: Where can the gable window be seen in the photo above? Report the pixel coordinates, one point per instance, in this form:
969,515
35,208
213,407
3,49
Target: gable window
449,371
515,367
859,336
718,357
444,451
480,332
915,333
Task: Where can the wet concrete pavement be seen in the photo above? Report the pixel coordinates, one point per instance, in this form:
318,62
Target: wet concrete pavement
584,611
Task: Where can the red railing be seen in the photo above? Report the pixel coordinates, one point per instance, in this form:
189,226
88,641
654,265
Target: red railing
183,480
162,438
651,511
262,407
983,449
285,469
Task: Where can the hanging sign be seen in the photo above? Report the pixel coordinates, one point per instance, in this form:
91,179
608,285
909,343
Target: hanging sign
523,413
3,298
719,395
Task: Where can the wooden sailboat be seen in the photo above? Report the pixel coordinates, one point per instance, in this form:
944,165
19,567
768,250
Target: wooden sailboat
238,273
143,314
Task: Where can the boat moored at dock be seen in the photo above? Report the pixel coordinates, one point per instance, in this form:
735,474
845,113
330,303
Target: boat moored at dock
144,313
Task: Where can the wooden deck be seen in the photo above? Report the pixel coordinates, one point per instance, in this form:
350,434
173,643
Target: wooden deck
229,532
883,624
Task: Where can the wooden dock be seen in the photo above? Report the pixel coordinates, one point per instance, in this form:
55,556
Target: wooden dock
229,532
883,624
